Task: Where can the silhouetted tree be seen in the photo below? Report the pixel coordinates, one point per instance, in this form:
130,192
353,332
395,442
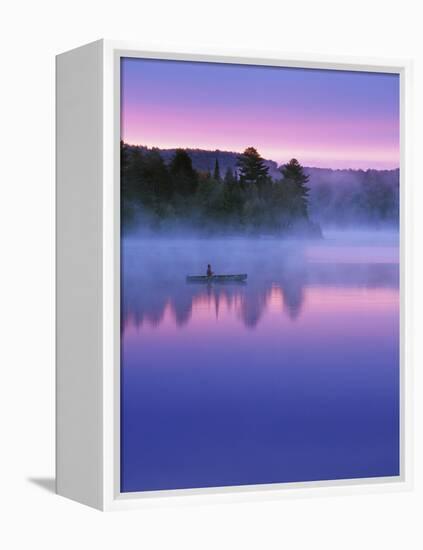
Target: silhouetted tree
295,179
154,192
184,177
252,168
216,172
156,176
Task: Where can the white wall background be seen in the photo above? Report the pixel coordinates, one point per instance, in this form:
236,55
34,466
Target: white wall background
31,33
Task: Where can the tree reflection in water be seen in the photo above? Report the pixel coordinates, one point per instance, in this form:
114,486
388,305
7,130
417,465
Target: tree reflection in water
146,300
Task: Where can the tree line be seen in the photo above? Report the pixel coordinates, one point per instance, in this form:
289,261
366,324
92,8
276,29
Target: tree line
247,198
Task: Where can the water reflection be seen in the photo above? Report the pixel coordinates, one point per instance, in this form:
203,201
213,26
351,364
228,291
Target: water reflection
292,376
147,301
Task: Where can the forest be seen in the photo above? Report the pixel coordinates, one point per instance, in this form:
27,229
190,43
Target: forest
166,194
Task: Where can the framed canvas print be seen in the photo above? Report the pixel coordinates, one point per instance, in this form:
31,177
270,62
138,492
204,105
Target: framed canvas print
231,275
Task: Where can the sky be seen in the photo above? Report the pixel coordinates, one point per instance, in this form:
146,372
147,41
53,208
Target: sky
324,118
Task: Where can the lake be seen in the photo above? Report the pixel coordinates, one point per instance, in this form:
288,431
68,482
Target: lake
291,376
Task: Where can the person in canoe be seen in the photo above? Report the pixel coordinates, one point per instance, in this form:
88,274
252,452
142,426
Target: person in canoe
209,271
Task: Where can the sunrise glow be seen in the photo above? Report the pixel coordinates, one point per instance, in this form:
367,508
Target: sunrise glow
325,118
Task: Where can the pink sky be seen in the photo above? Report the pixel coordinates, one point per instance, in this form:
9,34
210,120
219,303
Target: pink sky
324,118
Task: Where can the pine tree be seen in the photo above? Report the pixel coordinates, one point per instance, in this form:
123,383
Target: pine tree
184,177
156,176
294,176
252,168
216,172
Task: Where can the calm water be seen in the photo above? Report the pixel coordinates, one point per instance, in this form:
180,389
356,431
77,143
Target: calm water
293,376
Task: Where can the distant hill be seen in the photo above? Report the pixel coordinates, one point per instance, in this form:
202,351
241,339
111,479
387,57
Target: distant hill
340,196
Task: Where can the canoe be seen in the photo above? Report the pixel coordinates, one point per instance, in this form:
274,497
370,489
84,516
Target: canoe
216,278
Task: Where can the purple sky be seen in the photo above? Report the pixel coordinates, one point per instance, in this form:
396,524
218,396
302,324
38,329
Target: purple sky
326,118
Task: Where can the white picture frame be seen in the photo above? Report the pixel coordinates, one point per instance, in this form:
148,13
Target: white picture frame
88,284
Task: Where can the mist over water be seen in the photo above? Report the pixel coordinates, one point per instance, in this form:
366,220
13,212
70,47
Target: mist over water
154,271
291,376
